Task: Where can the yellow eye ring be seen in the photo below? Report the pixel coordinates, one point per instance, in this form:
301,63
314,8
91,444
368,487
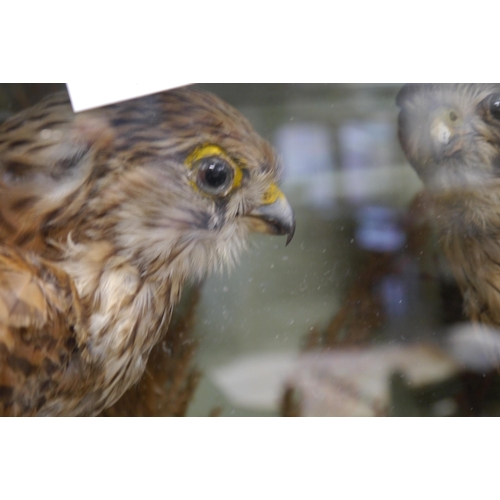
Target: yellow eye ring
213,171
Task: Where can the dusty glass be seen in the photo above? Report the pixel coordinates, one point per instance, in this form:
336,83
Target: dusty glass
361,314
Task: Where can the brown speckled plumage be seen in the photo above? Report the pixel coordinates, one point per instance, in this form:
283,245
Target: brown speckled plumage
101,223
450,133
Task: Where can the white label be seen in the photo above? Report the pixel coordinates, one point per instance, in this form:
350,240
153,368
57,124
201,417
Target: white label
92,95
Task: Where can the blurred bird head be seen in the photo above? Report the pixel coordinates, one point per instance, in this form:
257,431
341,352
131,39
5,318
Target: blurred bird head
450,133
175,180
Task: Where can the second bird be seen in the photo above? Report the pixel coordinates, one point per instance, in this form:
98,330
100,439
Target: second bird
450,133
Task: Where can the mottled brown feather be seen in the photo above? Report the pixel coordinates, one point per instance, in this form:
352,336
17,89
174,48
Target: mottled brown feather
100,227
40,322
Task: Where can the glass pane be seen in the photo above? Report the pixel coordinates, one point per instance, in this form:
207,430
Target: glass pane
360,314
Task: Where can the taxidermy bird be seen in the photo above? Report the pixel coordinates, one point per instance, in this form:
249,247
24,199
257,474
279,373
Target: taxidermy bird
450,134
103,217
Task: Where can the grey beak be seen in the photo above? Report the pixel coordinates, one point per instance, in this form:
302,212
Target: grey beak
274,218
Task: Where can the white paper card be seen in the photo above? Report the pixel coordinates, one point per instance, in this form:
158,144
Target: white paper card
94,94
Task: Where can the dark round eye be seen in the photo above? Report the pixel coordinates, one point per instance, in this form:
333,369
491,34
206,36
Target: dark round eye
215,175
494,103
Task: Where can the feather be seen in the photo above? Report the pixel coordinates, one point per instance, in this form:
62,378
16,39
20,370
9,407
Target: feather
103,219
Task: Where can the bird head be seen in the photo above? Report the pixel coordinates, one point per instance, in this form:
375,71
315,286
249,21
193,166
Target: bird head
450,133
181,181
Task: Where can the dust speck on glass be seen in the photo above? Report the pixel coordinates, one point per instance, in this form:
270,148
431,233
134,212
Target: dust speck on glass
385,302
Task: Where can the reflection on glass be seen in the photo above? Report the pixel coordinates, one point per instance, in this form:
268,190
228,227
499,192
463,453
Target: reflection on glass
451,135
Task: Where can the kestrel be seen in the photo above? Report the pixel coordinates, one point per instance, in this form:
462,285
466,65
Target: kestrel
450,133
104,215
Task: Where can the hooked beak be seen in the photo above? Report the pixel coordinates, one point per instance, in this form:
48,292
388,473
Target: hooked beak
275,215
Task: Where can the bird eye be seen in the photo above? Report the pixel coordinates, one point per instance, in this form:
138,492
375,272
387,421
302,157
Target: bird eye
494,103
214,175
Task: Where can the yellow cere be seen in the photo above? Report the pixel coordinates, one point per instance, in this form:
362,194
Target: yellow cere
213,150
272,194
